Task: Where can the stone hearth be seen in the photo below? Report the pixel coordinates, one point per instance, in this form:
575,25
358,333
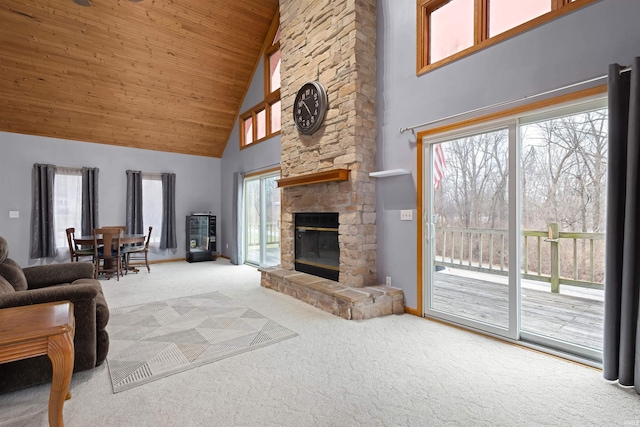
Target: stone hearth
344,301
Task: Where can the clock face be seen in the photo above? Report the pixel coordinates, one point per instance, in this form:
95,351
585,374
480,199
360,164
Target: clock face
310,107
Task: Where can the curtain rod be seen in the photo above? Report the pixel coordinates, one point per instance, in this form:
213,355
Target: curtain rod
499,104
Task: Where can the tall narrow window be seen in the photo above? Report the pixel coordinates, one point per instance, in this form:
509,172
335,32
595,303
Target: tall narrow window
247,126
152,204
67,198
276,115
261,124
273,63
274,70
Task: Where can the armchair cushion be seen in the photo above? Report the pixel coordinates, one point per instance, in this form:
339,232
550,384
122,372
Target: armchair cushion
54,274
5,287
12,273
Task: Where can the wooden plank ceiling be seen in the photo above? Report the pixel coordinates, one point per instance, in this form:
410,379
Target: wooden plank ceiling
159,75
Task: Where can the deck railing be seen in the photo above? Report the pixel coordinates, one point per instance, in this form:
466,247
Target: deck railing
569,258
272,233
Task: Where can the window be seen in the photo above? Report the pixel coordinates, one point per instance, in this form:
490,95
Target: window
247,128
263,120
450,29
261,123
506,14
275,116
273,63
152,204
67,200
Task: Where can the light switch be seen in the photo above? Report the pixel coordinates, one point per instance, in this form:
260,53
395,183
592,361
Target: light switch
14,214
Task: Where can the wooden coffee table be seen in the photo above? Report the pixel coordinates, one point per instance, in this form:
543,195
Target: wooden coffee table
40,329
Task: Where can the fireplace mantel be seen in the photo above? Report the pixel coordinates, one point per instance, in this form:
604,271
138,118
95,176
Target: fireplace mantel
314,178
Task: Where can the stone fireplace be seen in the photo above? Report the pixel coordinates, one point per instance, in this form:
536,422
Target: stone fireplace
316,244
333,42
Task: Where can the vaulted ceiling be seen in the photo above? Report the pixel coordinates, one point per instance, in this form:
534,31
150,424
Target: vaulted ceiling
151,74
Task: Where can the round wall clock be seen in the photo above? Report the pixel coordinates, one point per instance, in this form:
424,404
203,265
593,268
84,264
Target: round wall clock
310,107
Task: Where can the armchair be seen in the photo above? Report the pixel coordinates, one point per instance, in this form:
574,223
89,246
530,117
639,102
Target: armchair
56,282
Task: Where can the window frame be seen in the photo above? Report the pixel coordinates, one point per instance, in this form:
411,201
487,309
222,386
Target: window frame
271,97
480,30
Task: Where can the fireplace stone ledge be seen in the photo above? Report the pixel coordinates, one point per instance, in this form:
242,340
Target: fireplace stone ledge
345,301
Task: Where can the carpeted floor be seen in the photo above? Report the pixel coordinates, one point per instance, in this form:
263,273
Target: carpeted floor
390,371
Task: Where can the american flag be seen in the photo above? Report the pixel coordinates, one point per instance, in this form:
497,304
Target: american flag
439,163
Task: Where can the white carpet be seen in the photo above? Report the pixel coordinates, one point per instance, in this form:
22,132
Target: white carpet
390,371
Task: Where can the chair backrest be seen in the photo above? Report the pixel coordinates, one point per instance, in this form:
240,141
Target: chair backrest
70,241
110,242
146,244
115,229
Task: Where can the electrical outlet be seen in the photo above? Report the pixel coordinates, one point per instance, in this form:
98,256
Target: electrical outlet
227,246
14,214
406,215
388,281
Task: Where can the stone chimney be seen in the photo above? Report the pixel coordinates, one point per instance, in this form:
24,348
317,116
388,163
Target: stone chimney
332,42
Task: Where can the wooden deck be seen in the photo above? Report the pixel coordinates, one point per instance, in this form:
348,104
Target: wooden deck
578,320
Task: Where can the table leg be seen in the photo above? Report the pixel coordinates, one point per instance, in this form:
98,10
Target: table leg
60,351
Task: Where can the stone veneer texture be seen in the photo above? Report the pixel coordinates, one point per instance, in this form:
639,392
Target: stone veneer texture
332,42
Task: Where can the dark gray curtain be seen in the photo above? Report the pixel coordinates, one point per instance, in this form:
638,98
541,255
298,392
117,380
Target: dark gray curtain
236,256
43,239
89,200
621,347
134,221
168,232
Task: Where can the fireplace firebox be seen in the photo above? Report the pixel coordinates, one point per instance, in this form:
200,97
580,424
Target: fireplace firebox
316,244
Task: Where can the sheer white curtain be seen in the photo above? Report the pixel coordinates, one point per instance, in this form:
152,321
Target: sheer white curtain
67,196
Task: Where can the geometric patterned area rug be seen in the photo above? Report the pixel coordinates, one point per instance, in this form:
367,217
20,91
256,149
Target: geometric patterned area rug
154,340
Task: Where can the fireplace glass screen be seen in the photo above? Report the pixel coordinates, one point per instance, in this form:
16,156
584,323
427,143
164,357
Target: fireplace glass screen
316,244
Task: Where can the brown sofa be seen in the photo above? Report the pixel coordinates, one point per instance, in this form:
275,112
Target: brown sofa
56,282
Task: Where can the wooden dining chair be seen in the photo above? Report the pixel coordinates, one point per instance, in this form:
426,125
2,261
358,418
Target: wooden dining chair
138,253
115,228
75,252
108,257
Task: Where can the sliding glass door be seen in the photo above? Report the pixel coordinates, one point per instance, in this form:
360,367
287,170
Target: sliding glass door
514,216
262,220
563,209
468,242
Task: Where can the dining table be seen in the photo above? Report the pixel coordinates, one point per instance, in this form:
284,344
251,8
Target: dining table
125,239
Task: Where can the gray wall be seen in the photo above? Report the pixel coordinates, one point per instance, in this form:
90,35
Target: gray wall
265,154
197,184
570,49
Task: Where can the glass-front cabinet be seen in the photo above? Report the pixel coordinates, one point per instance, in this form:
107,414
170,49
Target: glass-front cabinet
201,237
